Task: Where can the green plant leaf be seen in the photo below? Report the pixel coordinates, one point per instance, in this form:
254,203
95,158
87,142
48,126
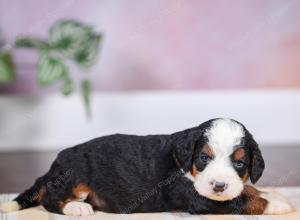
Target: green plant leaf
75,41
88,52
67,35
7,73
86,92
67,87
50,69
30,42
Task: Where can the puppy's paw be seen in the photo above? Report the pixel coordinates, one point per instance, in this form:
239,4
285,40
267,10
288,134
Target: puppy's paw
78,209
277,204
10,206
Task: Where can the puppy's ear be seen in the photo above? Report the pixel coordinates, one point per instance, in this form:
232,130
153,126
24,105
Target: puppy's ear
183,144
257,164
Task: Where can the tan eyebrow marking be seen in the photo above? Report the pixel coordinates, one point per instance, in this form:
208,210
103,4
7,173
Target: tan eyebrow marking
239,154
208,151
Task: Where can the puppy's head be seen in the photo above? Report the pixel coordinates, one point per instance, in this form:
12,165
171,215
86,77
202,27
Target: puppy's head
219,156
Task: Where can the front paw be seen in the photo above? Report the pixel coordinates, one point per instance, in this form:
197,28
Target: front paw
277,204
76,208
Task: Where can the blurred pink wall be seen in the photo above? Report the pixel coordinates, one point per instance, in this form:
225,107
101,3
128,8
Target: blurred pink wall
170,44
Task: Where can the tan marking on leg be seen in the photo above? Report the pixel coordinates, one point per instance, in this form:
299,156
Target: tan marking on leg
81,192
250,191
255,204
40,195
61,205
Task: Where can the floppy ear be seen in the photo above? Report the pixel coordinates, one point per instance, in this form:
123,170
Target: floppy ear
257,164
183,144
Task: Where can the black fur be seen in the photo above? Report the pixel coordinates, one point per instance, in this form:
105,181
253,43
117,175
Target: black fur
136,174
257,161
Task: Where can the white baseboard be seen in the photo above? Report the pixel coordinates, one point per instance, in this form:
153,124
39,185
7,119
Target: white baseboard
54,122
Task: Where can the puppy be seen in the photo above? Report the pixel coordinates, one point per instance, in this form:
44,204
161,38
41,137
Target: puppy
201,170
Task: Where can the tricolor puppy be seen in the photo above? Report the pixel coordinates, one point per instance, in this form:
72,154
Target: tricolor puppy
201,170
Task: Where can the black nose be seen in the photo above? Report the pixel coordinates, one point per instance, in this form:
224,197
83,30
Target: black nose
219,186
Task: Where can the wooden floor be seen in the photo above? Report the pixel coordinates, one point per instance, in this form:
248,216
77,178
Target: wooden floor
20,169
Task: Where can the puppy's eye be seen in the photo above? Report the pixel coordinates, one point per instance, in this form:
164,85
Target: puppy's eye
239,164
204,158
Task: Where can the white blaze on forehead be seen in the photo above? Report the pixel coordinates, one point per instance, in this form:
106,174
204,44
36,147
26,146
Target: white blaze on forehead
223,135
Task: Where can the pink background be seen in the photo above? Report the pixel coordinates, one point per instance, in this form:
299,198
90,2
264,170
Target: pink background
169,44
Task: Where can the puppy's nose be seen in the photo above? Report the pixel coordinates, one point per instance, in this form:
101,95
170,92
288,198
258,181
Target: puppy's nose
219,186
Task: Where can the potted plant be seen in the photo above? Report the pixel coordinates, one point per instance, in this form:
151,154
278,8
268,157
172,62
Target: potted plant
7,73
67,40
